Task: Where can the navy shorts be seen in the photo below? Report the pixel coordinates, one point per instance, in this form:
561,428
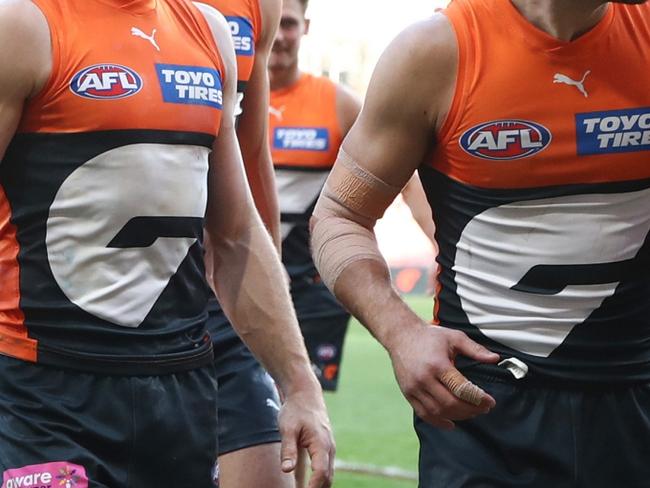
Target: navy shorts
61,428
324,339
542,435
248,398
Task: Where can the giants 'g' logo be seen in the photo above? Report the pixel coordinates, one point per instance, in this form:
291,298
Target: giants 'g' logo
528,272
121,225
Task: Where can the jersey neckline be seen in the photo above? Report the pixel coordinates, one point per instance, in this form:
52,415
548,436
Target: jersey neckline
545,41
133,6
289,88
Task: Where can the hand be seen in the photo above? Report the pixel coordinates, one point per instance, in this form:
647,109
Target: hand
304,424
423,362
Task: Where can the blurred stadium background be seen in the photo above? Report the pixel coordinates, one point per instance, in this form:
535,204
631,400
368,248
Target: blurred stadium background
377,447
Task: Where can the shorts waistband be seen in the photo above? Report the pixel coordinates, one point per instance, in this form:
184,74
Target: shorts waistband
128,365
537,379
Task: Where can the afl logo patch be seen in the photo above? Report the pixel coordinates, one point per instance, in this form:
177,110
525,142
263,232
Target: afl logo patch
505,139
106,81
326,352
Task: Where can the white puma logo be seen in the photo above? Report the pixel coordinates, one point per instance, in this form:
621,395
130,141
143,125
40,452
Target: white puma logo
560,78
277,112
273,404
138,33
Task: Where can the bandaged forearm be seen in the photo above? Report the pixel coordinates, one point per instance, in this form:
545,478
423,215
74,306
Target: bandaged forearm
347,210
337,243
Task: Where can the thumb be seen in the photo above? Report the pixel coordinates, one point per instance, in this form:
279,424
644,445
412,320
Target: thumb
473,350
289,452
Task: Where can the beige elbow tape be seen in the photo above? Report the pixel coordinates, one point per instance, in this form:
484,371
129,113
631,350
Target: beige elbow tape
461,387
350,204
356,190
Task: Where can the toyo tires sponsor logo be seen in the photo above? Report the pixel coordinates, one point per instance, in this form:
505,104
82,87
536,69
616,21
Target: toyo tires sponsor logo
505,139
614,131
242,33
106,81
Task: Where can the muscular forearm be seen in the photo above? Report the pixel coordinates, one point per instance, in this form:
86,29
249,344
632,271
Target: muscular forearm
261,178
252,289
364,288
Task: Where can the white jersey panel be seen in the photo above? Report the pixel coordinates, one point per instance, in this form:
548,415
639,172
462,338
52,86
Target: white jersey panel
500,245
121,285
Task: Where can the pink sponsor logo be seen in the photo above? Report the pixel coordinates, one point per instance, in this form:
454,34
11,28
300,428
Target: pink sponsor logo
49,475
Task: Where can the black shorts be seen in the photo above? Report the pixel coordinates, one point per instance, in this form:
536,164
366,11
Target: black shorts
63,428
324,339
542,436
248,398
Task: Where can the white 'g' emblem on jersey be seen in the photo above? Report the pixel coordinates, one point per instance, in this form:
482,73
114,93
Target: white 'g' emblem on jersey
501,246
97,200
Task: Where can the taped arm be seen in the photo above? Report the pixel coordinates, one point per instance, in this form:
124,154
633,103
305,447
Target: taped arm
407,99
387,143
252,126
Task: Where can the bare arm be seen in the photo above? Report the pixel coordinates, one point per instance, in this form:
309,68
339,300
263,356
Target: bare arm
348,107
406,103
250,284
25,61
252,126
414,196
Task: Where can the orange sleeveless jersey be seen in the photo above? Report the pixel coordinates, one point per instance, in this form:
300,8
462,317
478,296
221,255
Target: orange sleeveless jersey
540,187
305,135
304,131
245,20
103,188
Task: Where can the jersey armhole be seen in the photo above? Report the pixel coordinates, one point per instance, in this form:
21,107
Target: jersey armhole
459,98
206,31
56,48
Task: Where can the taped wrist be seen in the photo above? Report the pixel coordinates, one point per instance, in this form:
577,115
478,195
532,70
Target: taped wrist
345,214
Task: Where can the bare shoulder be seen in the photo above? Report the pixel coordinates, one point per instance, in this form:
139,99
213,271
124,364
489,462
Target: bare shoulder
428,50
25,46
416,74
408,96
221,33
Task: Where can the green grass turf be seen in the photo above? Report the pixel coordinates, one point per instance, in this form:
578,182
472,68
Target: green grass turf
372,420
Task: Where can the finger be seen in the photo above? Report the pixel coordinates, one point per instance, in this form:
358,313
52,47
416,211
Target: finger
467,347
425,414
320,465
289,451
464,389
454,408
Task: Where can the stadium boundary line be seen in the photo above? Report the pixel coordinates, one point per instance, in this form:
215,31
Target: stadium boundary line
390,472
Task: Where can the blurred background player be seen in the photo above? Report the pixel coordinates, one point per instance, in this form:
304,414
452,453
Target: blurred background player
104,291
542,217
308,118
249,439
